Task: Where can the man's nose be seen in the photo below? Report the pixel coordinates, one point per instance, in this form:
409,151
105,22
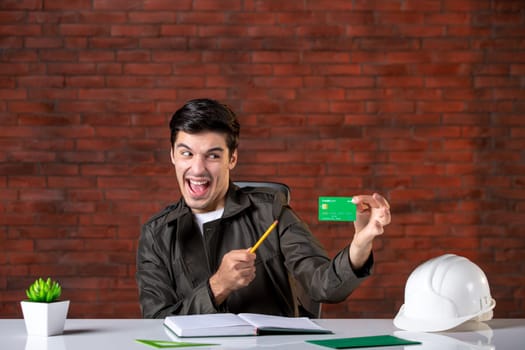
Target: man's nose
199,164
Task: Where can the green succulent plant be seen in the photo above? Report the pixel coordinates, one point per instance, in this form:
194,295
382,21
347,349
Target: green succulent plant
44,291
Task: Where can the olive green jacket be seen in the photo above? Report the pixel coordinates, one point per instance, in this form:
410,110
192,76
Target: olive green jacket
175,261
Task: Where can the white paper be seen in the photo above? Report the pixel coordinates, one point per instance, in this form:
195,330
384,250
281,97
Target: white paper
261,321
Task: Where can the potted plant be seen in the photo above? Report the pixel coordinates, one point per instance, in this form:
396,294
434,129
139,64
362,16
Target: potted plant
43,314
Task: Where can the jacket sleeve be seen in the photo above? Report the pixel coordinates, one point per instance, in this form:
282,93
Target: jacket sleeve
326,280
156,282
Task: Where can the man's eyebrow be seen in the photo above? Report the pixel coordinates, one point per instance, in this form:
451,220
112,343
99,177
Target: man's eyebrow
181,145
213,149
216,149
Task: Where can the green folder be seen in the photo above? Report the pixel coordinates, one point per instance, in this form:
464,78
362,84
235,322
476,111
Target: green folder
164,344
363,342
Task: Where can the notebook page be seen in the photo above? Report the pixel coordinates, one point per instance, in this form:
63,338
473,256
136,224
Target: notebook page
262,321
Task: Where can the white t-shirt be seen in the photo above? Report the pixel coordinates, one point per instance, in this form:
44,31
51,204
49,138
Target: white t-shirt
203,218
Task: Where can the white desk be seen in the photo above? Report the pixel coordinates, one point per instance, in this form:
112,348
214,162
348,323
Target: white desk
115,334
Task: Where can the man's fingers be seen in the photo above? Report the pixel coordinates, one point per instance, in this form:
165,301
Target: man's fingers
374,201
384,216
381,200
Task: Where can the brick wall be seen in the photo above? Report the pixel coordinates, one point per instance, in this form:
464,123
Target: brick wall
420,100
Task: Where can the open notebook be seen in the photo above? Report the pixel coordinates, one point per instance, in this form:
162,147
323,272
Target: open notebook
228,324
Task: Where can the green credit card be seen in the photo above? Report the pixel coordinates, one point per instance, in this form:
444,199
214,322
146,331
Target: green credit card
336,209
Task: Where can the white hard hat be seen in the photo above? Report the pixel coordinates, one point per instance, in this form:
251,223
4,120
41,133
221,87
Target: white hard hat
444,292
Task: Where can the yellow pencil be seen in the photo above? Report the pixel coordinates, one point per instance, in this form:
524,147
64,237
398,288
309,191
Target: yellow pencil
263,237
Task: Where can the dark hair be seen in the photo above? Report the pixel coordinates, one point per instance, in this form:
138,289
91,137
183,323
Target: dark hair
206,115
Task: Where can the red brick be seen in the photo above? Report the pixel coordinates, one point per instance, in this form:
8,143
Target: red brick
379,5
457,56
12,42
440,107
202,17
208,5
113,43
510,5
13,94
147,69
498,19
133,56
408,57
469,31
67,5
401,82
459,93
367,30
20,30
482,82
71,68
18,69
57,55
390,107
168,5
447,44
43,43
135,30
321,94
117,4
352,82
277,57
52,94
386,69
448,82
446,18
465,5
68,29
495,106
21,4
152,16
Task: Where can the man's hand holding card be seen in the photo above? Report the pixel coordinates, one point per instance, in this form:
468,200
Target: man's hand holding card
370,215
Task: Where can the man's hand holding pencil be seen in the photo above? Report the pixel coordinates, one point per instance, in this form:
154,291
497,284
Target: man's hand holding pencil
237,269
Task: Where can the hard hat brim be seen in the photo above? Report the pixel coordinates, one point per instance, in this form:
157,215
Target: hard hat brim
401,321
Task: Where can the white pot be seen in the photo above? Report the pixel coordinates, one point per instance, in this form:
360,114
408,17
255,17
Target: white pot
45,319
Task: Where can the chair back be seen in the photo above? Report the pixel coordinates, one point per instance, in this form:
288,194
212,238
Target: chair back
283,188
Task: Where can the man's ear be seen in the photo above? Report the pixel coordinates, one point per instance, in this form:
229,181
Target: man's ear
172,155
233,160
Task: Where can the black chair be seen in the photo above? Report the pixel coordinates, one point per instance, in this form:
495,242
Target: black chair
307,307
275,185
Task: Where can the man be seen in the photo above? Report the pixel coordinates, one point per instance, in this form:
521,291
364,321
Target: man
193,257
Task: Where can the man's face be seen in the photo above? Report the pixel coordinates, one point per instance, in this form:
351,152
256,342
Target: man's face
202,164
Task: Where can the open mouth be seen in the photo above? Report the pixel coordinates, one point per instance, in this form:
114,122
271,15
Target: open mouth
198,188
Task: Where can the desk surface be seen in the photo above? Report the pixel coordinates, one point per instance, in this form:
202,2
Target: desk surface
115,334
